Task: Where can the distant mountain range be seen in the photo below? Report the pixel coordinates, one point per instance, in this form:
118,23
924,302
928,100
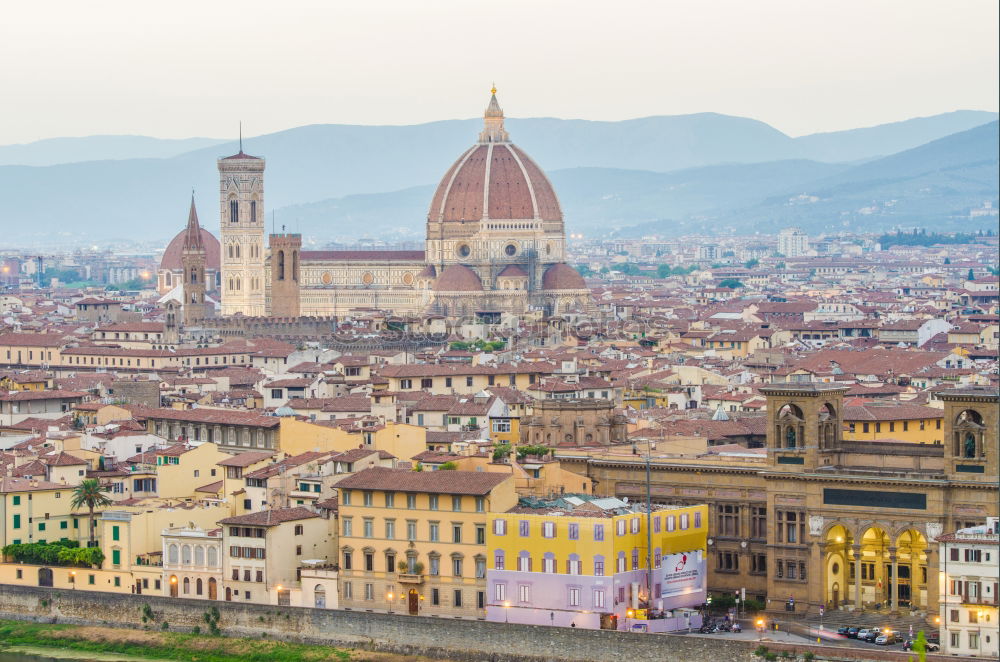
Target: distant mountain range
54,151
682,173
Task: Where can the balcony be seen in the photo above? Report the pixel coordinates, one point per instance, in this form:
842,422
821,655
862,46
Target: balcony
406,578
989,601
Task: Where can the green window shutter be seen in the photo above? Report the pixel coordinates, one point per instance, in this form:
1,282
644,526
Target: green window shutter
17,500
114,533
116,557
41,526
17,521
64,524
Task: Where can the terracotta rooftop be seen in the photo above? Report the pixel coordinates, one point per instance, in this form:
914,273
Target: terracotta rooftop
435,482
271,517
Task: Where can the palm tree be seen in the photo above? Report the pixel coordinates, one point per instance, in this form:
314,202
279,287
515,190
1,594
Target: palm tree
89,494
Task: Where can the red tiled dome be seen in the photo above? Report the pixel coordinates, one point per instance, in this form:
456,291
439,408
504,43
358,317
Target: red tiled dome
561,276
516,187
512,271
458,278
171,260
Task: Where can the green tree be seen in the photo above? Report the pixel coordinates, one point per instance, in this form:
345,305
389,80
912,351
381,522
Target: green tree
89,494
448,466
947,260
751,263
731,283
920,646
500,451
972,275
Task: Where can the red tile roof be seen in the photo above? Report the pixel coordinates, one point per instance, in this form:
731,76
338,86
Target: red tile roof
435,482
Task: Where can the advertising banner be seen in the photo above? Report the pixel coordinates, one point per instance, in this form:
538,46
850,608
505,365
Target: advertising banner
683,574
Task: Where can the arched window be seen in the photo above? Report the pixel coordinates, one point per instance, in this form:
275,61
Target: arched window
234,211
319,600
281,265
187,585
172,554
213,557
194,274
253,211
186,554
237,250
199,556
198,586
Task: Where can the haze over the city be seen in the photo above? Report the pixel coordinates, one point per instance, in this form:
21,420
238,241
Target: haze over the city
196,69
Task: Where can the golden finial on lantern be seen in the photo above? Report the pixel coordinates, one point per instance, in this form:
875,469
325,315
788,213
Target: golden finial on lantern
493,90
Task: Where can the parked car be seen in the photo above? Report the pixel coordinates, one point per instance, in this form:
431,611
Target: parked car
885,639
931,646
844,631
852,632
873,634
863,634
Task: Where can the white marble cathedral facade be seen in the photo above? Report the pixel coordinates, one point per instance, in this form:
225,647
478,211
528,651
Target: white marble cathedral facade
495,243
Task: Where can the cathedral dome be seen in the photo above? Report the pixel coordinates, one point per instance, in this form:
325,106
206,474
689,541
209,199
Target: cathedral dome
171,260
494,180
561,276
458,278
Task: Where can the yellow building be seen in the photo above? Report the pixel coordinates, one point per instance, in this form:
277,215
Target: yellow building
415,541
586,562
399,439
38,511
893,421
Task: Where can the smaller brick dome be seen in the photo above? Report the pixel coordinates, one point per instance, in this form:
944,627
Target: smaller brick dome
512,271
458,278
561,276
171,260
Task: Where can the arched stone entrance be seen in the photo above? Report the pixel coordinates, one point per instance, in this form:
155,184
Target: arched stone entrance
911,569
837,566
45,577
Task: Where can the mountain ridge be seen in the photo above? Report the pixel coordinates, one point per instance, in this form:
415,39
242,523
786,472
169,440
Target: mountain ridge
313,164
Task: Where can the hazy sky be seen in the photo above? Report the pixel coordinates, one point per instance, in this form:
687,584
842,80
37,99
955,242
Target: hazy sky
194,68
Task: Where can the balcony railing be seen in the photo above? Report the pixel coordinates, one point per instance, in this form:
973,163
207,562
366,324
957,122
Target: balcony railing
406,578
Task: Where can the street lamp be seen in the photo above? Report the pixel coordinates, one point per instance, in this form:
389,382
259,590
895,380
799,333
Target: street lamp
72,578
760,629
388,598
980,614
506,611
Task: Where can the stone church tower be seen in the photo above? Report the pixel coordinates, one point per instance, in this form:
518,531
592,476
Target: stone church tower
193,259
285,294
241,213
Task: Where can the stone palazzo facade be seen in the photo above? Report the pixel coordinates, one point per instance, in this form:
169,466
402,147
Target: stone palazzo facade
849,525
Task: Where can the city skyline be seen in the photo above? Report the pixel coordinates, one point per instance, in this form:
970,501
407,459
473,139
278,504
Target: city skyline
390,63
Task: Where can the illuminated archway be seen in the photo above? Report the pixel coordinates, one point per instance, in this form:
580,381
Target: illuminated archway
911,564
838,589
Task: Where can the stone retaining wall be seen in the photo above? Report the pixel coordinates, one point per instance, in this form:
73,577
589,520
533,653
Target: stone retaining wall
465,641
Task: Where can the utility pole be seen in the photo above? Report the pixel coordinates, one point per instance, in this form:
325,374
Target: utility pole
649,530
